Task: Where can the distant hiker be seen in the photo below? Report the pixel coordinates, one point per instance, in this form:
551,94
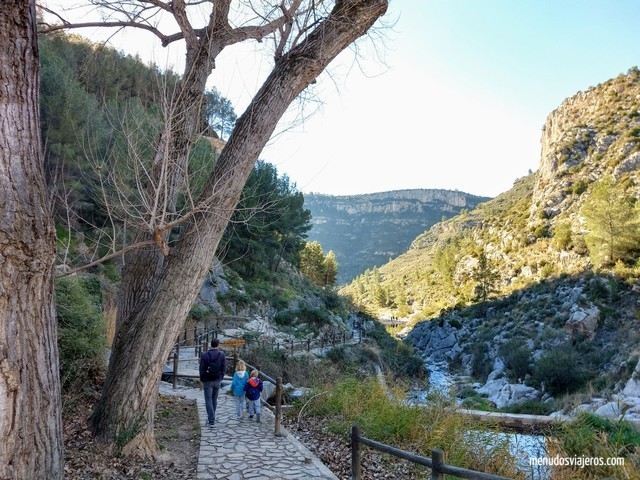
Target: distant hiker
253,388
240,378
213,364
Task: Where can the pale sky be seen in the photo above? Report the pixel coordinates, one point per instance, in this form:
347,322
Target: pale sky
458,100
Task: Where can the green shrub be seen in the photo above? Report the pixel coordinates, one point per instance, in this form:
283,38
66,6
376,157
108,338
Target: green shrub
201,313
579,187
477,402
559,371
541,231
562,236
466,392
455,323
480,364
332,300
399,357
547,270
81,329
517,358
233,297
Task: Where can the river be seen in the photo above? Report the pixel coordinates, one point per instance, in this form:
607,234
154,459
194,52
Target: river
521,446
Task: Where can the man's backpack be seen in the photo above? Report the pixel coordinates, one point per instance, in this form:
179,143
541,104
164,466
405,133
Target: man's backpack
214,367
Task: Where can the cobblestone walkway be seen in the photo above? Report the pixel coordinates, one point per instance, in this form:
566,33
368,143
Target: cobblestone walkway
243,449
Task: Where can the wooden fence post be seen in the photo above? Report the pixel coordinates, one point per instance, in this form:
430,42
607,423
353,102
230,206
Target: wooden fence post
437,459
278,430
235,357
175,366
355,453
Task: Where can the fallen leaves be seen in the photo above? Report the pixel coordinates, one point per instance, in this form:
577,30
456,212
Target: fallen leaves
335,452
88,459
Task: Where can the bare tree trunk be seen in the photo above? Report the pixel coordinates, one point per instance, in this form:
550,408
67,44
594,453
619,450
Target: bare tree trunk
30,405
146,333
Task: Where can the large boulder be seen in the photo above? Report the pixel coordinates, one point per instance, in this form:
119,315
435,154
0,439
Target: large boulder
611,410
268,390
583,321
503,393
632,387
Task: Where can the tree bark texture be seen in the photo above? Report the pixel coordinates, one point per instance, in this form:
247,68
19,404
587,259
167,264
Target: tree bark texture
147,332
30,404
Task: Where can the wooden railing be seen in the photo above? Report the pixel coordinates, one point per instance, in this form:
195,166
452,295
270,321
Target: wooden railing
200,339
435,463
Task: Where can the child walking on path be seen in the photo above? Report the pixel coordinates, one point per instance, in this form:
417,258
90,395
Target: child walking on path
237,387
253,388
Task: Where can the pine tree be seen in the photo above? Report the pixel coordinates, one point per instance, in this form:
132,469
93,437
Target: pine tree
219,113
312,262
485,277
444,262
330,269
612,221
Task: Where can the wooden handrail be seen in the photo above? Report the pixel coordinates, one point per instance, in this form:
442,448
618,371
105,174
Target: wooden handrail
435,463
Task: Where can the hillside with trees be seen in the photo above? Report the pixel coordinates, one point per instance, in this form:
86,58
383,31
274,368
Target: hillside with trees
531,299
94,101
367,230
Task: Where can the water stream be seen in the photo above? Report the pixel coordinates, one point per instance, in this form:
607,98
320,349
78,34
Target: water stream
521,446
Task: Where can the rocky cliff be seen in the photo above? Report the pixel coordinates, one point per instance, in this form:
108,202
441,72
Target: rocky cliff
508,296
590,134
368,230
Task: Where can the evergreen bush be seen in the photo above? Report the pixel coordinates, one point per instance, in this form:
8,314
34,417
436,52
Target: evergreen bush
517,359
81,329
559,371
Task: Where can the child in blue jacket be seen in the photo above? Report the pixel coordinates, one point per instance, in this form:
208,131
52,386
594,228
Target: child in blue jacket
253,387
237,387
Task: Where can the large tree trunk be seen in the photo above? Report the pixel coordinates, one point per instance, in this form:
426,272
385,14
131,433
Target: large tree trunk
30,405
146,334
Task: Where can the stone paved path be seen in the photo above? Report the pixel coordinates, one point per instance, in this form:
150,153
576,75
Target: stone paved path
243,449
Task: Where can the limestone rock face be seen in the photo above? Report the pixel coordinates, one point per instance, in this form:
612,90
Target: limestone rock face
213,284
580,144
440,344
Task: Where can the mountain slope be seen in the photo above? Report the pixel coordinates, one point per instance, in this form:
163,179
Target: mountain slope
529,272
368,230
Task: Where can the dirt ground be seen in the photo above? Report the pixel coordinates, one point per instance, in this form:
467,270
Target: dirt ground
177,434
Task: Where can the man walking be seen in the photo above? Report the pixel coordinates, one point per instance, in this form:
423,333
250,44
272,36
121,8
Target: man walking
213,365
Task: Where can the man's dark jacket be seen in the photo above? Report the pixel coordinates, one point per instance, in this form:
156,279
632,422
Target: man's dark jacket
216,357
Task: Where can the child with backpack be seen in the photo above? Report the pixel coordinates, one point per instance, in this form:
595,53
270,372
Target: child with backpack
240,378
253,387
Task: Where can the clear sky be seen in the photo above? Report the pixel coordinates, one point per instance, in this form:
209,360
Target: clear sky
457,101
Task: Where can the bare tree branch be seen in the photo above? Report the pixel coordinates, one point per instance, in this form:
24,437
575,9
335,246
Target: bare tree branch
122,251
